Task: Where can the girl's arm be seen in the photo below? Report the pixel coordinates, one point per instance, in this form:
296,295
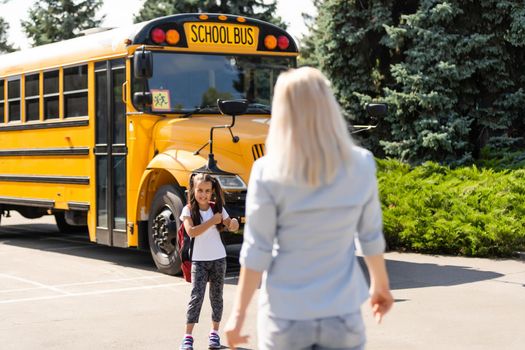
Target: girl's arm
231,224
194,231
249,281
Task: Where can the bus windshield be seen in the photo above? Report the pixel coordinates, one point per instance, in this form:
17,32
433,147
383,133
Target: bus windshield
185,82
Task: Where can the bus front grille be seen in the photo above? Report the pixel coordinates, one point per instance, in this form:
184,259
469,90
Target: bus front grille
258,151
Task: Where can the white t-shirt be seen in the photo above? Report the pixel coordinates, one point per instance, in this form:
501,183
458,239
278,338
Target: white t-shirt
208,245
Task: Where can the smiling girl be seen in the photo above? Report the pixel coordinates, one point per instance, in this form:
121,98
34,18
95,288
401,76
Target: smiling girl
203,219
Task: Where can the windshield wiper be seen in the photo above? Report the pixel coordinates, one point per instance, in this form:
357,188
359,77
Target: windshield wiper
260,107
197,110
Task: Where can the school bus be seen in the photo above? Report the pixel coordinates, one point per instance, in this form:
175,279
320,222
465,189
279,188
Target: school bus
103,131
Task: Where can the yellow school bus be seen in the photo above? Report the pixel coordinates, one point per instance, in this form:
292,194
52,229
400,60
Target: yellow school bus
103,130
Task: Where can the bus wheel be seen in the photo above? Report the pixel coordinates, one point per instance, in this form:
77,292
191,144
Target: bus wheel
163,224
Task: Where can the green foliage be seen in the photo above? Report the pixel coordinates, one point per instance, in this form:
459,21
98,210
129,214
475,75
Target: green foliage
464,211
450,71
308,42
4,45
349,49
250,8
55,20
456,89
501,159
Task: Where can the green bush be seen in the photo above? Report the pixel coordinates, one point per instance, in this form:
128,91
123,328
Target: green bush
466,211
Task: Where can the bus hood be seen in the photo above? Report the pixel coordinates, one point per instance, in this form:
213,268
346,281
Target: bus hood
190,134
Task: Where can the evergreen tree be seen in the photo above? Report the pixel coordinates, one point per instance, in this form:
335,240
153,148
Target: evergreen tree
307,43
263,10
449,70
460,86
4,45
54,20
349,49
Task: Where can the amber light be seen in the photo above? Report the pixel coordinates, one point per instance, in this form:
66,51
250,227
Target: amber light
270,42
172,37
158,36
203,17
283,42
223,17
241,19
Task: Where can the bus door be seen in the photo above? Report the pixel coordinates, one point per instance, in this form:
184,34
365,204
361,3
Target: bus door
110,153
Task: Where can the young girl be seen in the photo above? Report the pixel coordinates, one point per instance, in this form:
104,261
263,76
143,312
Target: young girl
203,222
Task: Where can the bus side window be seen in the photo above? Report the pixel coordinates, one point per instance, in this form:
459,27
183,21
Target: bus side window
32,97
13,100
75,91
51,94
1,101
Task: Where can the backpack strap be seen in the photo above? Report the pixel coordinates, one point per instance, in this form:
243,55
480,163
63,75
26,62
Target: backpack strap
192,240
212,205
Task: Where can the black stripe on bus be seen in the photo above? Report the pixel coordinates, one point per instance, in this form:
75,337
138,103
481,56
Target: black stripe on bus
82,206
74,151
80,180
53,125
44,203
257,151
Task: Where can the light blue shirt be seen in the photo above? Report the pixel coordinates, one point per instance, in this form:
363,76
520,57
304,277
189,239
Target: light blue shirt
303,238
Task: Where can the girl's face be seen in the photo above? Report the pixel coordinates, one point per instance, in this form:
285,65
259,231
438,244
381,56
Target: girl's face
203,192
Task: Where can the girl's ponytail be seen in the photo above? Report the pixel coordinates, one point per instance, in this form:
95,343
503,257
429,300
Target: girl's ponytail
192,201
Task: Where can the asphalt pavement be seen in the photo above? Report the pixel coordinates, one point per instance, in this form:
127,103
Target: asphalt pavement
63,292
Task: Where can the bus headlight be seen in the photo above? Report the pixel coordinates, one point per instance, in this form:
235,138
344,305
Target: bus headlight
231,182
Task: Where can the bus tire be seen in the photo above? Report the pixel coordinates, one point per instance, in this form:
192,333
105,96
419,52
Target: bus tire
64,227
163,223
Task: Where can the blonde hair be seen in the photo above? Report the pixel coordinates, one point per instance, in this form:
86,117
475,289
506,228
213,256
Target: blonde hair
308,138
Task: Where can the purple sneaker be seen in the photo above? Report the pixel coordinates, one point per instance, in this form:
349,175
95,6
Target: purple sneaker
215,341
187,343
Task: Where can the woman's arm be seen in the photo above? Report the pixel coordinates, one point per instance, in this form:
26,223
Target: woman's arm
381,299
256,252
194,231
249,281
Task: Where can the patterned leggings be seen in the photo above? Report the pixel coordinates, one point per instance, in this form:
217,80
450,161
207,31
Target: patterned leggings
202,272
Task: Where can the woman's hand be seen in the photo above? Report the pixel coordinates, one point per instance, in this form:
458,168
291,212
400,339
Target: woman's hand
234,225
233,331
381,301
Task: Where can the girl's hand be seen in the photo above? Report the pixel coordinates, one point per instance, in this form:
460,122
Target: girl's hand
216,218
381,301
234,225
233,331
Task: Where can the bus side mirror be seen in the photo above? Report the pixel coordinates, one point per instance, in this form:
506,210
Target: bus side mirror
376,110
143,64
142,98
232,107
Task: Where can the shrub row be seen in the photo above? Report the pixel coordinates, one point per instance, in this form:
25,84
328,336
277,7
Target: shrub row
466,211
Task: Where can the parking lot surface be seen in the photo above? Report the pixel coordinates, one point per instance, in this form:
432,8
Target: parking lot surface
60,291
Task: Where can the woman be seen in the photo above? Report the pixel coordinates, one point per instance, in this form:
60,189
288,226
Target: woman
307,200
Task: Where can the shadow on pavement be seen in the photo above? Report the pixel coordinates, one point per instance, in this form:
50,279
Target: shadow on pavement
406,275
45,237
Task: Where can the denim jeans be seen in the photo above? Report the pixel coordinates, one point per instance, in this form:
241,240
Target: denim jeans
344,332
